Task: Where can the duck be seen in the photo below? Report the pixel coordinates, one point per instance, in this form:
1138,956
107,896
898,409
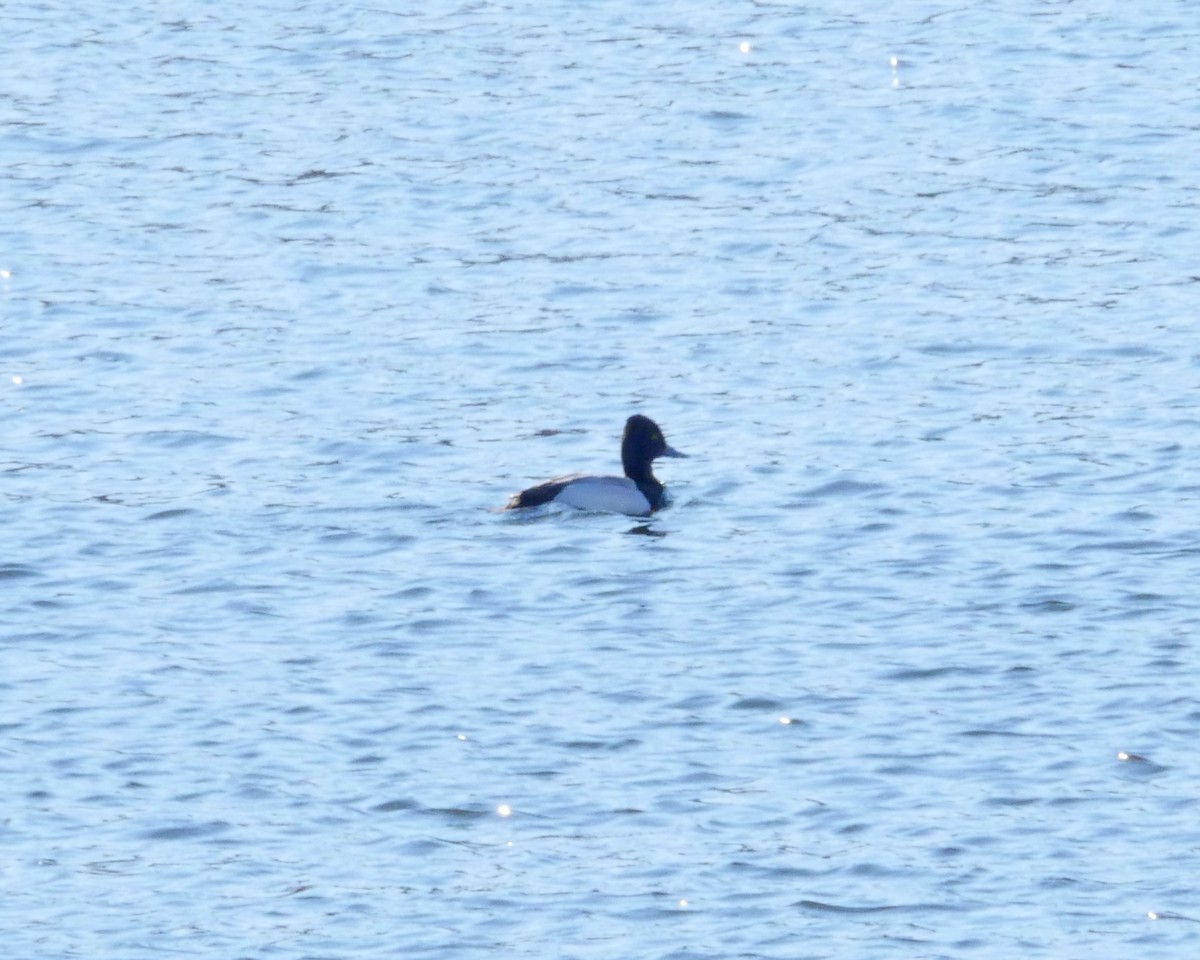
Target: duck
639,493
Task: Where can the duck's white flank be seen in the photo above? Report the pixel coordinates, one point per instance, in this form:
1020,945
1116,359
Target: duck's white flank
610,494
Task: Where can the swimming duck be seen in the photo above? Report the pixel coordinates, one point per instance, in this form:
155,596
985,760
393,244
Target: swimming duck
638,493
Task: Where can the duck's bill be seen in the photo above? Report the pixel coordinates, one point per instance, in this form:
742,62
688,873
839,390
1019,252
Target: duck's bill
672,452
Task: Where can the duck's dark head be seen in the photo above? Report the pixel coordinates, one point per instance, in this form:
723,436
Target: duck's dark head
643,443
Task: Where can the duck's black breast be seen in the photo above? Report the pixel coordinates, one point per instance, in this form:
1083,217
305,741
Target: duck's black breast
653,491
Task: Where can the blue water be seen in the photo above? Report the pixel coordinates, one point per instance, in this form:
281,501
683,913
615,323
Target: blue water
293,296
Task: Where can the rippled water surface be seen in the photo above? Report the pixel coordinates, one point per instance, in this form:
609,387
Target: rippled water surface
292,296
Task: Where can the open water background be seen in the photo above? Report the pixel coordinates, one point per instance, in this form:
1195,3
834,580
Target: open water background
293,294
